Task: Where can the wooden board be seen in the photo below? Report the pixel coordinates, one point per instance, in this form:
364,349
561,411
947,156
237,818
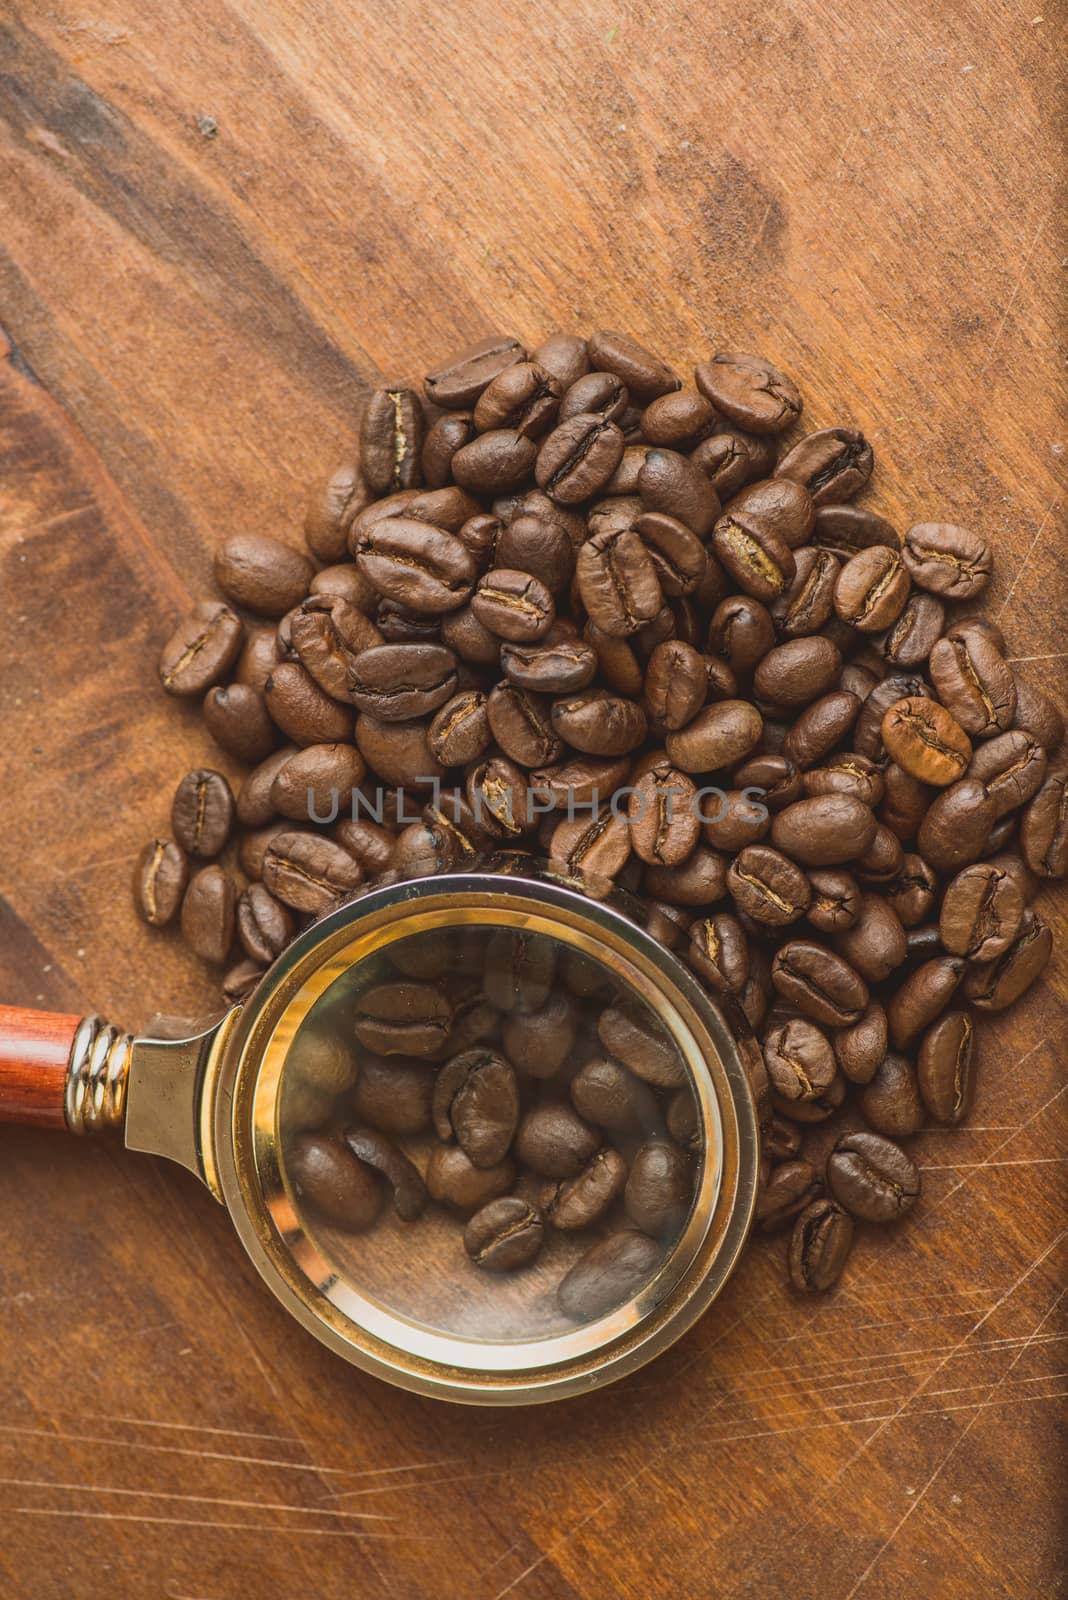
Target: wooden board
868,194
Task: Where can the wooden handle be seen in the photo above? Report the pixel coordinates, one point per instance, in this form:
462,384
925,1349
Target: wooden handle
34,1052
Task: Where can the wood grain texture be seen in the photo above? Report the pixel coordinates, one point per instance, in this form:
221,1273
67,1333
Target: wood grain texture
872,196
34,1052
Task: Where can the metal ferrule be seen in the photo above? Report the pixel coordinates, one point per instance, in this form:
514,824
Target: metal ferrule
97,1074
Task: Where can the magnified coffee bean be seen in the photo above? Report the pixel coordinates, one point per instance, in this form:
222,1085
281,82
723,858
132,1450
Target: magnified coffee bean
579,1202
799,1061
504,1235
578,458
540,1042
393,1095
519,970
833,464
407,1019
834,905
605,1093
453,1180
376,1151
632,1035
330,1179
659,1188
207,914
946,1067
890,1104
819,1246
947,560
819,983
610,1272
768,886
957,825
922,997
872,1177
982,910
975,682
160,878
861,1049
476,1100
749,391
201,650
993,985
825,830
1044,829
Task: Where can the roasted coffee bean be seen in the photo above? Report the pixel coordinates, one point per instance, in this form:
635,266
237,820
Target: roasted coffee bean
664,826
741,631
579,1202
975,682
883,859
807,603
760,562
519,970
734,819
476,1100
513,605
160,879
659,1188
767,886
521,723
632,1036
506,1234
860,1049
449,434
600,724
332,1182
551,667
922,997
719,954
471,641
719,736
875,944
499,796
453,1180
872,1177
905,802
847,529
207,916
617,661
264,926
322,1060
565,355
611,1271
391,439
579,783
379,1153
399,752
833,464
957,825
821,726
890,1104
417,565
316,782
331,509
346,583
676,684
397,682
578,458
913,892
700,880
458,383
393,1095
871,589
824,830
679,559
1011,768
795,673
993,985
819,1246
679,419
598,845
309,873
607,1094
238,983
236,717
494,462
201,650
598,394
202,812
262,574
459,733
789,1189
407,1019
834,902
670,484
777,776
946,1068
947,560
730,459
779,506
327,634
916,632
819,983
261,654
926,741
540,1042
982,910
538,546
799,1061
645,375
868,729
524,397
749,391
1036,713
554,1141
1044,828
617,582
302,710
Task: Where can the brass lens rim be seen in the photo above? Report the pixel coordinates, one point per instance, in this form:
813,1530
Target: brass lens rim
360,1328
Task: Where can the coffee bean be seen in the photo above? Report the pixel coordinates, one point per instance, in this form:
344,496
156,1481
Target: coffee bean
913,892
872,1177
1036,713
321,1060
800,1063
160,879
645,375
332,1182
890,1104
822,725
795,673
975,682
332,506
391,439
1044,828
458,384
519,970
719,954
327,634
578,458
982,910
868,729
664,826
875,945
238,983
717,737
846,529
409,1019
1011,767
459,733
833,464
416,564
309,873
600,724
540,1042
807,602
781,1140
393,1095
524,397
607,1094
399,752
834,903
302,710
767,886
741,631
505,1234
554,1141
611,1271
598,394
201,650
824,830
921,998
871,589
513,605
633,1037
658,1188
916,632
993,985
264,926
679,419
453,1180
208,913
670,484
947,560
789,1189
578,1202
262,574
565,355
397,682
448,434
476,1100
202,812
860,1049
819,983
494,462
819,1246
926,741
731,458
760,562
946,1069
957,825
749,391
316,782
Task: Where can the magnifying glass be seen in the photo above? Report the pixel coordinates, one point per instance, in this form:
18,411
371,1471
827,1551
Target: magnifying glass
479,1132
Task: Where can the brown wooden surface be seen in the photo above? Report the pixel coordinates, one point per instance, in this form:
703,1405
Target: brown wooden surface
34,1051
867,193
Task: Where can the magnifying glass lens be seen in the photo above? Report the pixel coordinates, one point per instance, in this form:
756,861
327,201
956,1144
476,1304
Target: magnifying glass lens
489,1133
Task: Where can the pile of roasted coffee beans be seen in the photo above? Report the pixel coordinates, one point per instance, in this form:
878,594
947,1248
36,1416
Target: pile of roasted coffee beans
560,572
516,1084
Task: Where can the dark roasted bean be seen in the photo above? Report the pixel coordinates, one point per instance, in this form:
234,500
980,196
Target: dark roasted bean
833,464
946,1067
160,879
947,560
872,1177
819,1246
